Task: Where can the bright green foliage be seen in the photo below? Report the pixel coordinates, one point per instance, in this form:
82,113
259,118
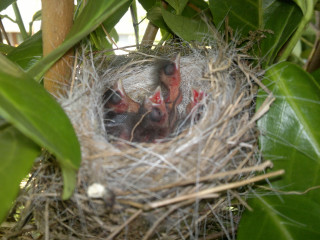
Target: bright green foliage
290,138
278,18
32,110
186,28
17,156
27,53
5,3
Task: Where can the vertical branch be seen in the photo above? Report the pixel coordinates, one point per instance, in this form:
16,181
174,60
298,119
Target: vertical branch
134,16
149,35
19,21
57,18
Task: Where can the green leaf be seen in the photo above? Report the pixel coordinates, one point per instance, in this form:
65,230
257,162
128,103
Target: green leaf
281,17
282,218
99,38
290,137
114,19
36,17
32,110
5,3
17,156
305,4
93,14
307,10
147,4
234,9
178,5
283,28
28,53
316,75
5,49
154,15
186,28
194,8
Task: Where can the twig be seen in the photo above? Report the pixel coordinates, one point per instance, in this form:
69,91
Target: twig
166,214
134,128
4,33
261,167
204,193
46,220
108,36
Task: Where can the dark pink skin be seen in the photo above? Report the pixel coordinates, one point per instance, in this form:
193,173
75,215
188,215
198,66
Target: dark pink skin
155,123
121,112
197,97
171,79
195,104
119,102
156,119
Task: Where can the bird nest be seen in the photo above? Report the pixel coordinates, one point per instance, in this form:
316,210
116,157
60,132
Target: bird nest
189,183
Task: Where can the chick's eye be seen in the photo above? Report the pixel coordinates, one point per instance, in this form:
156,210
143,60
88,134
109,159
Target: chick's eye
155,115
115,98
169,69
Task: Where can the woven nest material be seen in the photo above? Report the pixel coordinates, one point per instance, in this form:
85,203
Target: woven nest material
190,185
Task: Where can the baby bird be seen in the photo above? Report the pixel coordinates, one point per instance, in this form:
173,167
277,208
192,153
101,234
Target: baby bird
118,101
155,121
195,104
120,112
171,79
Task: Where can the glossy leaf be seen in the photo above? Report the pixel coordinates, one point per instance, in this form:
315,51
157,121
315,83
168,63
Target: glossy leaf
32,110
282,218
282,29
234,9
17,157
28,52
92,15
186,28
290,137
281,17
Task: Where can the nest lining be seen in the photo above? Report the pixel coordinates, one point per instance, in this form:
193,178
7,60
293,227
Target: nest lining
177,187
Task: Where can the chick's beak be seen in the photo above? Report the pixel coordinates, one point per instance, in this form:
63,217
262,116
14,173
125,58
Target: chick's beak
119,101
197,97
156,107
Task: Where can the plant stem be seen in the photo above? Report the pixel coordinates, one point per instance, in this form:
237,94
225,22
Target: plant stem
296,36
164,38
134,16
19,21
